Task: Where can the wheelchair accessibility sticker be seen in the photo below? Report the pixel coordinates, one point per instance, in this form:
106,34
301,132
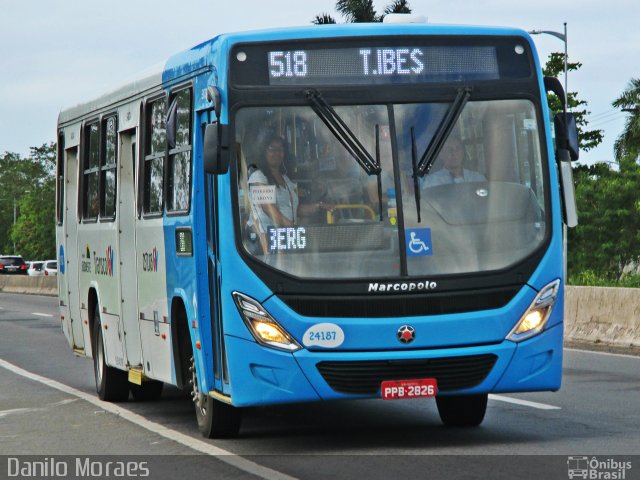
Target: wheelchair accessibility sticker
418,242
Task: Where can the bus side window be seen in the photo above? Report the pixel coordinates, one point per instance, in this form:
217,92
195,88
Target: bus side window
90,172
108,168
155,150
179,178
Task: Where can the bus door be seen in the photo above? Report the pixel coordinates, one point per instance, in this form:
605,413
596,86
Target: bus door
220,372
73,320
127,215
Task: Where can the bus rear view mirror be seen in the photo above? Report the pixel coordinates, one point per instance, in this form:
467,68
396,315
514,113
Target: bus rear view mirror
567,134
568,190
216,153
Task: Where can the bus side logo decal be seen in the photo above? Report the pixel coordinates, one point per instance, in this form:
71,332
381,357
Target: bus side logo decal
110,253
150,261
86,260
104,265
61,261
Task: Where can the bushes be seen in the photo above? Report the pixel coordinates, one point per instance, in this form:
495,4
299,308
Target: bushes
591,279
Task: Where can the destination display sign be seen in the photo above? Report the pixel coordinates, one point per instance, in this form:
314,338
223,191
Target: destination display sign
375,64
380,61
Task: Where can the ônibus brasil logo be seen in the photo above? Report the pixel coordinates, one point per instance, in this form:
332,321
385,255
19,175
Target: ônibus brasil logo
104,265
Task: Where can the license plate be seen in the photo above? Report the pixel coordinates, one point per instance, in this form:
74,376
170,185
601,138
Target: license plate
398,389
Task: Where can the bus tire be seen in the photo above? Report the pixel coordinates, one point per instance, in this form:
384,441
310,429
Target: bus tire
147,392
215,418
112,384
462,410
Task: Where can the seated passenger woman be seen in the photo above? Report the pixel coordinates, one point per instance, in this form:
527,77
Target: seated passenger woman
453,171
274,197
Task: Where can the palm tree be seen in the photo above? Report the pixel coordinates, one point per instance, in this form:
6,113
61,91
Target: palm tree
629,141
323,19
397,6
359,11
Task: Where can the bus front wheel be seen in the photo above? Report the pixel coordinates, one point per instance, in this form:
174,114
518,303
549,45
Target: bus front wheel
462,410
215,418
112,384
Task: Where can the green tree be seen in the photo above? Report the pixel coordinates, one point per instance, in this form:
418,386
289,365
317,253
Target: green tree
360,11
554,67
628,143
27,185
607,239
34,233
8,199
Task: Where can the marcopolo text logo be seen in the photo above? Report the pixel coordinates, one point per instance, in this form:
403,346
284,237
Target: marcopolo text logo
402,286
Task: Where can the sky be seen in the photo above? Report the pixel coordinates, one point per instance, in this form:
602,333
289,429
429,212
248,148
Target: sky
57,53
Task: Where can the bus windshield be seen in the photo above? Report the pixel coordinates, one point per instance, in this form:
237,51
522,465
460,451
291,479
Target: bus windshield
309,208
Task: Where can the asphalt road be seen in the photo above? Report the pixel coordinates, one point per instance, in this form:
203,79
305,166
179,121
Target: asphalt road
48,407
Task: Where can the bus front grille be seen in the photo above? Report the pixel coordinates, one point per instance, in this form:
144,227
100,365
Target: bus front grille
365,377
377,306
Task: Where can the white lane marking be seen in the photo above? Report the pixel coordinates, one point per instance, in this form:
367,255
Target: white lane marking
526,403
603,353
223,455
41,314
4,413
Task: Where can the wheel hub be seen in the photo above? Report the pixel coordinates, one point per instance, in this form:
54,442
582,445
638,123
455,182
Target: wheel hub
198,398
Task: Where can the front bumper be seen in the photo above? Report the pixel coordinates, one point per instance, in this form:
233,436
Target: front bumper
262,376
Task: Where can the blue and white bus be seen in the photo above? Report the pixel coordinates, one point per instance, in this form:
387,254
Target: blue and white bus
318,213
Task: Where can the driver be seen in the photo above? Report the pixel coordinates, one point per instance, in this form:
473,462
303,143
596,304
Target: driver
452,154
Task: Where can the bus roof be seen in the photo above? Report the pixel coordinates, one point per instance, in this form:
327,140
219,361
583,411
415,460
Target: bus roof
366,29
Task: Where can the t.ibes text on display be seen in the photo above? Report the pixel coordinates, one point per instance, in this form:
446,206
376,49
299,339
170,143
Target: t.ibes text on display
374,61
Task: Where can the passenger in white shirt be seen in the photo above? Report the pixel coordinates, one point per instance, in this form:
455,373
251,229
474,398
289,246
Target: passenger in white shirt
274,196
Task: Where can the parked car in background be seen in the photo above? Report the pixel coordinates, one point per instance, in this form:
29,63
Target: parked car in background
50,267
12,264
35,269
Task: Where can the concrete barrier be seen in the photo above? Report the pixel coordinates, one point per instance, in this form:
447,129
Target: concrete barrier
607,316
31,285
603,315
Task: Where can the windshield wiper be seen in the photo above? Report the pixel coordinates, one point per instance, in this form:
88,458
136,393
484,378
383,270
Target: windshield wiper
342,132
347,138
443,131
379,174
414,164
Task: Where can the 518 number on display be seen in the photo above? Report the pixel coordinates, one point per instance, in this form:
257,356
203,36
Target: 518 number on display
288,64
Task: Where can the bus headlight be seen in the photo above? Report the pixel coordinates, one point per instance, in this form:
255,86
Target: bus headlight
536,316
262,326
